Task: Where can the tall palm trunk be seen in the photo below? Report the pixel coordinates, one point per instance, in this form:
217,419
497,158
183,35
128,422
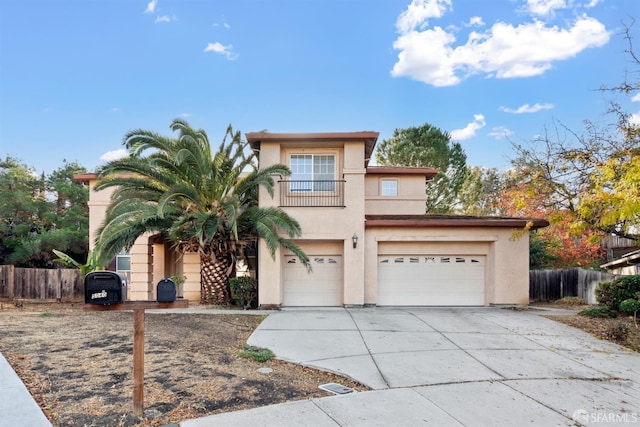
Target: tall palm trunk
214,279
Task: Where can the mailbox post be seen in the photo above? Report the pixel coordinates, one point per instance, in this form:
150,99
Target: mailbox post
138,308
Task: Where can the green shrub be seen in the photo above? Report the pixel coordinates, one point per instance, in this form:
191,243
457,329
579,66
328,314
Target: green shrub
611,294
244,291
598,311
603,294
571,301
256,353
629,306
618,331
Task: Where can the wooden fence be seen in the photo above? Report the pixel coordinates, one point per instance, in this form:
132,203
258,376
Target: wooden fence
41,283
551,285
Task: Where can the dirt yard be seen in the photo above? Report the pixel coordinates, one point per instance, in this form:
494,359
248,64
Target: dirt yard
621,330
78,365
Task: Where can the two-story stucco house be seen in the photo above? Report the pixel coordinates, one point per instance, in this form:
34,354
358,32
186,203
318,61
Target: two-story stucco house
365,231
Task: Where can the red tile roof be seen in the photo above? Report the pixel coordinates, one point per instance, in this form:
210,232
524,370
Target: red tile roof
385,170
368,137
436,220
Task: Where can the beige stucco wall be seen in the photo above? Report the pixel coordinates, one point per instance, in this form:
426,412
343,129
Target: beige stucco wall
409,201
191,270
507,268
626,270
320,224
329,230
98,202
150,262
506,250
141,285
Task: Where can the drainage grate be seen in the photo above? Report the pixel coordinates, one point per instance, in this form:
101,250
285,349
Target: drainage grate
336,388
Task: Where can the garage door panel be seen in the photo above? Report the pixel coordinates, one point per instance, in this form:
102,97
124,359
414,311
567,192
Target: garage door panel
431,280
321,287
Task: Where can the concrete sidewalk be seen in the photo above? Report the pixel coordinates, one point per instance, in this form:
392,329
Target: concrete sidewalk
17,407
447,366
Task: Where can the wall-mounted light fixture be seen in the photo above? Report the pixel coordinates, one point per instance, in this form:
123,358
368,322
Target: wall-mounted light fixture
354,239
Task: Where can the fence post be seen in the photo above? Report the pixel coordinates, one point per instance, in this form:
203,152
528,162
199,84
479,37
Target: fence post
11,281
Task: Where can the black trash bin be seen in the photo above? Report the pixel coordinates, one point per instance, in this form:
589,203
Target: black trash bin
105,287
166,290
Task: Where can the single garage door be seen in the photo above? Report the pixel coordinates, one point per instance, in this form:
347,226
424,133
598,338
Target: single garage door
431,280
322,287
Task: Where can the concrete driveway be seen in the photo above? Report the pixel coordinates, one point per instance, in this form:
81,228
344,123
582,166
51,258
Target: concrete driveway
447,366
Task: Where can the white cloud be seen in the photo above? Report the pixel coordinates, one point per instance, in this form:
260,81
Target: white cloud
114,155
218,47
114,109
526,108
151,6
634,120
185,115
545,7
635,98
504,50
500,132
426,56
475,21
165,18
470,130
419,12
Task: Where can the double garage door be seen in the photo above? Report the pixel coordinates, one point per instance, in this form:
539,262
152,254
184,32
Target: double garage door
403,280
431,280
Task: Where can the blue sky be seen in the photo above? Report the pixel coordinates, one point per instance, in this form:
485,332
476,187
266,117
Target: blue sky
75,76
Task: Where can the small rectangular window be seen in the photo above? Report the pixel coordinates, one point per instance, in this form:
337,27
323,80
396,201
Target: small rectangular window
389,187
123,263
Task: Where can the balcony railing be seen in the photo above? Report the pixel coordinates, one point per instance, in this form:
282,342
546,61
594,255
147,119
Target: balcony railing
319,193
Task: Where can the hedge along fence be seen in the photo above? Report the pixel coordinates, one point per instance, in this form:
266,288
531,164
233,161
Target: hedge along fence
41,284
551,285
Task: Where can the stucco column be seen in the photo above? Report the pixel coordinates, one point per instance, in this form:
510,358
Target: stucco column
354,269
141,286
270,285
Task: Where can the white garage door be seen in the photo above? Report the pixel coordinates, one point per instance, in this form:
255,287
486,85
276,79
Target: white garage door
321,287
431,280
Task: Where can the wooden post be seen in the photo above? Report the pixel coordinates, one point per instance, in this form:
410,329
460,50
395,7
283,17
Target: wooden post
138,308
11,282
138,362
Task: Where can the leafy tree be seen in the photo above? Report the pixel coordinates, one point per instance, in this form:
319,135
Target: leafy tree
196,200
71,212
480,191
30,224
21,208
542,252
428,146
86,268
594,176
560,245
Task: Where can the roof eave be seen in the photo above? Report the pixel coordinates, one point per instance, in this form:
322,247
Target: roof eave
531,223
633,259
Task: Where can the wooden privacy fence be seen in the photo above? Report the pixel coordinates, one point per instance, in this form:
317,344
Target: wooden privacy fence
41,283
551,285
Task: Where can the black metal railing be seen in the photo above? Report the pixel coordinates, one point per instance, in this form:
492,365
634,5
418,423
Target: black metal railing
309,193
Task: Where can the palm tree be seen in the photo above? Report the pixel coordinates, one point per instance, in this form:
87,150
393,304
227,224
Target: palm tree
194,200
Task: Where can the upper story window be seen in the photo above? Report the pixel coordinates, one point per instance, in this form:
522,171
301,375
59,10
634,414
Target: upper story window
389,187
313,172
